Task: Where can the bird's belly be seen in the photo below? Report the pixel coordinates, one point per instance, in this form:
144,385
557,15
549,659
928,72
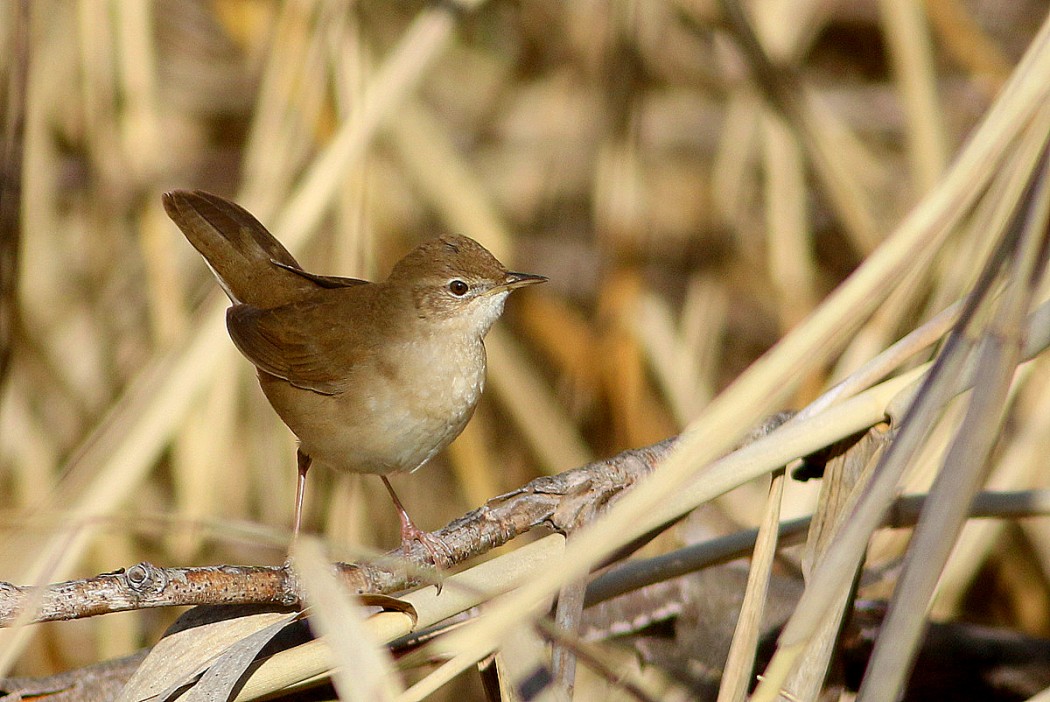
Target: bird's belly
378,426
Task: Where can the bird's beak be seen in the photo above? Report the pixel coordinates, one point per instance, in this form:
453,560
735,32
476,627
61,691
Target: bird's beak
520,280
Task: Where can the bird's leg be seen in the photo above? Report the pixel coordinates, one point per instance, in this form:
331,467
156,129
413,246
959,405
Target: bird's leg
439,551
303,462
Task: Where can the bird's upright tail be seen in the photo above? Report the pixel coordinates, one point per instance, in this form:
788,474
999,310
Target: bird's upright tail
239,250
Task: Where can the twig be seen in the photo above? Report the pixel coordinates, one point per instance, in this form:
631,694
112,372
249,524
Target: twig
559,502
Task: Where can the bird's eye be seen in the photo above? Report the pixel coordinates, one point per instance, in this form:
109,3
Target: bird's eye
458,288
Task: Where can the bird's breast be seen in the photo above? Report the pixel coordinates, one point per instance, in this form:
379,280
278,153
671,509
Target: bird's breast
441,382
399,409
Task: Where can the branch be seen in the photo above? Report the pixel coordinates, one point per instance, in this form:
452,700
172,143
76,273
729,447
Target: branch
561,502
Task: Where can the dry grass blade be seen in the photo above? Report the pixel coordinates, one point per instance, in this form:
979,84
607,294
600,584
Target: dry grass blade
1017,465
448,182
391,84
222,676
968,42
736,676
813,126
788,232
13,89
673,360
1038,52
543,422
200,640
912,53
790,260
844,476
966,461
459,593
13,640
289,103
364,671
126,443
568,617
524,669
845,554
882,365
476,640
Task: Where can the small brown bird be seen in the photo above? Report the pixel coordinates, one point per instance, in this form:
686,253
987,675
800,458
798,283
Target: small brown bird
371,377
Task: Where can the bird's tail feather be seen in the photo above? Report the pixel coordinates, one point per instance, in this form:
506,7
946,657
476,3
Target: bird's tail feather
239,250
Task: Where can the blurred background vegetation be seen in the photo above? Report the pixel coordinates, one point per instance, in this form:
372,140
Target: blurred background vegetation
620,147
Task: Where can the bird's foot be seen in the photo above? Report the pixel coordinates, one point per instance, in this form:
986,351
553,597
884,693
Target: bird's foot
440,553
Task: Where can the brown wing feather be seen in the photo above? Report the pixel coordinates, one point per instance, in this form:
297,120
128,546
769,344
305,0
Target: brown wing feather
325,281
299,342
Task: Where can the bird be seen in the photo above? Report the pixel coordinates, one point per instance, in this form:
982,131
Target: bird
371,377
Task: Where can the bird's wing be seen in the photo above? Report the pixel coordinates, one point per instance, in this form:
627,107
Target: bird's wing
306,343
325,281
